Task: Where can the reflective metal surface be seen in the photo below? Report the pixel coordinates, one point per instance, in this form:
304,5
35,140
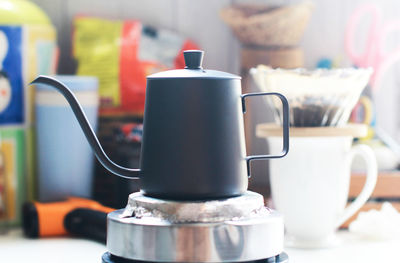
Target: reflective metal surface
108,258
150,237
249,204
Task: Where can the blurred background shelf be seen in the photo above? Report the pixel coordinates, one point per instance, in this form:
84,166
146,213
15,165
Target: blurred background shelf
387,186
387,189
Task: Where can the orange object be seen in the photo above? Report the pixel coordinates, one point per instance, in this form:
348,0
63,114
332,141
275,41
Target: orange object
121,53
47,219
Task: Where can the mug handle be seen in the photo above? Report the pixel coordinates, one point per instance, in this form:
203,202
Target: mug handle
285,109
372,173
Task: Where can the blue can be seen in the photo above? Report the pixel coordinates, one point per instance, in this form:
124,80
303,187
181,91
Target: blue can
65,160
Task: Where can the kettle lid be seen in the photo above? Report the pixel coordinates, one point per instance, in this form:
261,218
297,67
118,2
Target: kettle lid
193,69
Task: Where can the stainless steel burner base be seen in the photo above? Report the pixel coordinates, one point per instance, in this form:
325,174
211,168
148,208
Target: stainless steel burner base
155,237
108,258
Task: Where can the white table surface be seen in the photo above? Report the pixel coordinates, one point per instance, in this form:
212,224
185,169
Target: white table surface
14,248
354,249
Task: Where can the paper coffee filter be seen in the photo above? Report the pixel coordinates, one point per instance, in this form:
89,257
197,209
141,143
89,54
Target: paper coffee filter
322,97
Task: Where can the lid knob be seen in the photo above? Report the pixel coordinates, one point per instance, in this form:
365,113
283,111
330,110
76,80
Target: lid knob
193,59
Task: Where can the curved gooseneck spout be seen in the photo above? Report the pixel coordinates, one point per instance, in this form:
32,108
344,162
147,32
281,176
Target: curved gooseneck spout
87,129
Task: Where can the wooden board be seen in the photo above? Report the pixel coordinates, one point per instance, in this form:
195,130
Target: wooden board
387,185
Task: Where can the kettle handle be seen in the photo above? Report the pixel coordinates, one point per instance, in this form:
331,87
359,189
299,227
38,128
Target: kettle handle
90,135
285,107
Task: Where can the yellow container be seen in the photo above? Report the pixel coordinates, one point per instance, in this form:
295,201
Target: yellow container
17,12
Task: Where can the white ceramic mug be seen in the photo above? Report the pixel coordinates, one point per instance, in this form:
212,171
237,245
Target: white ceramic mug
310,186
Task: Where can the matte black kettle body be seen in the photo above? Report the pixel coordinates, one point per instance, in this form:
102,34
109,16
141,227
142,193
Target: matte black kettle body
193,144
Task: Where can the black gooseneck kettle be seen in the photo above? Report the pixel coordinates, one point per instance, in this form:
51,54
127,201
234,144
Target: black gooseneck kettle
193,144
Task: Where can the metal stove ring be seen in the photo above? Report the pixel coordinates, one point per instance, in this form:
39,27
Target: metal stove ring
108,258
158,240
